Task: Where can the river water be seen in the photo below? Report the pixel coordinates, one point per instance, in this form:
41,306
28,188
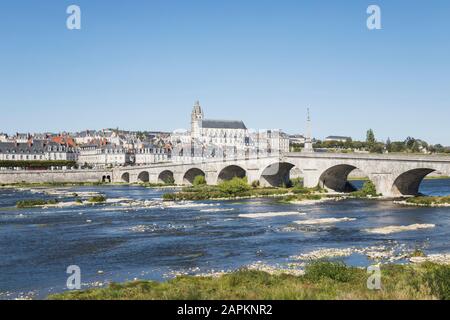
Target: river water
114,242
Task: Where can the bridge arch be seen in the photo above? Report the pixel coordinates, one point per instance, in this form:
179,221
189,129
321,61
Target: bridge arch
190,175
276,174
125,177
336,178
166,177
231,172
408,183
144,176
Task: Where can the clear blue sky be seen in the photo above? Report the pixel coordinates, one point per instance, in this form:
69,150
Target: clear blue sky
142,64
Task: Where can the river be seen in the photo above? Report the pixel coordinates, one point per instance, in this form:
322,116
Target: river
114,242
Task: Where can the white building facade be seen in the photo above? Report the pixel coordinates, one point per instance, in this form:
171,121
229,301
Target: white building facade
104,156
36,150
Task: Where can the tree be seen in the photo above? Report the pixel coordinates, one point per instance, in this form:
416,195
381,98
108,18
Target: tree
370,138
409,142
388,145
371,141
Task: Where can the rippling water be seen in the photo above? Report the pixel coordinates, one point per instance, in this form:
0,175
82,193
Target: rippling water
37,245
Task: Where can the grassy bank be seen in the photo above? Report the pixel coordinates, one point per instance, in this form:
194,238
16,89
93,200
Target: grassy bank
31,203
322,280
429,201
437,178
237,188
155,185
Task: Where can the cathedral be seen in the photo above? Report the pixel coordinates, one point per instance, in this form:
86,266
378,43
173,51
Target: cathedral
224,139
224,133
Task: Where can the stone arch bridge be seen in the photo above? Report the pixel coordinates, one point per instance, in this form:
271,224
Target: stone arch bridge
393,175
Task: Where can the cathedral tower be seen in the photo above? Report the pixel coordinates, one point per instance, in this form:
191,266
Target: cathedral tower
196,120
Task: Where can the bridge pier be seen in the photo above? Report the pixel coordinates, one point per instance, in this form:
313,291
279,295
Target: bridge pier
383,183
211,177
153,178
252,174
179,178
311,178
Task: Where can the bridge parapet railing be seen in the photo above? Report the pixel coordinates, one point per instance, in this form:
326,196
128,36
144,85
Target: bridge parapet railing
370,156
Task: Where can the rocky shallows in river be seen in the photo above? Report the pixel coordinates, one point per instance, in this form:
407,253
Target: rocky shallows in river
135,234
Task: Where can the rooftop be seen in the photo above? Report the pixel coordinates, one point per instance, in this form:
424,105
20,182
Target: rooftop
223,124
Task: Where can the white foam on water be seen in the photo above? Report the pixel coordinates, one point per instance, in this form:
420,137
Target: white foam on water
324,221
118,200
440,258
325,253
397,229
392,252
270,214
187,205
217,210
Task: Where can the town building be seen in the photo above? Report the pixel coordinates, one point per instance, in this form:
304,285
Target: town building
104,155
297,139
338,138
36,150
148,154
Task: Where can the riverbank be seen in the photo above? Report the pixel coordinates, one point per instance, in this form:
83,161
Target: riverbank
321,280
238,188
426,202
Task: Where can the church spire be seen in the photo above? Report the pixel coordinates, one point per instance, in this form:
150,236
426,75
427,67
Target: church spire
197,108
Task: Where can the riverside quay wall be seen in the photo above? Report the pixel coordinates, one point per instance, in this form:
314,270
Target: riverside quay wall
53,176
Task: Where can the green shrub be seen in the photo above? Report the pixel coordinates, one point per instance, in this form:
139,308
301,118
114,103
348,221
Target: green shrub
297,182
438,279
234,186
337,271
199,181
256,184
368,190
